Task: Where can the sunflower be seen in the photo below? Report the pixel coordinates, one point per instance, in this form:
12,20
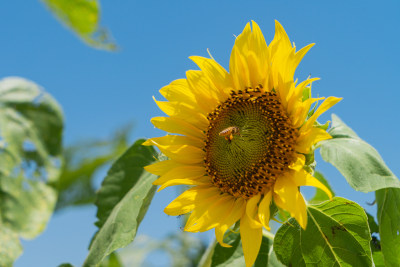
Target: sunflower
240,138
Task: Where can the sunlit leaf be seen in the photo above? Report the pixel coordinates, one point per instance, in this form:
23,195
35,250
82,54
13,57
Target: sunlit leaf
122,202
360,163
388,201
83,17
31,124
337,234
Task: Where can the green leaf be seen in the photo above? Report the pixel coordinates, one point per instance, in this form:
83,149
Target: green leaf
82,16
319,194
122,202
360,163
232,256
378,259
388,201
31,124
337,234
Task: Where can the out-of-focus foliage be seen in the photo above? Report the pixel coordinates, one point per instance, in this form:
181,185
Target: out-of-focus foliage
182,249
81,163
83,17
31,124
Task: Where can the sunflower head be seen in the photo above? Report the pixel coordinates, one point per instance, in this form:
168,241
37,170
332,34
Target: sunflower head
240,138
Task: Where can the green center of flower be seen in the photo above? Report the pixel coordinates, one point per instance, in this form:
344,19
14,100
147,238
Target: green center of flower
250,141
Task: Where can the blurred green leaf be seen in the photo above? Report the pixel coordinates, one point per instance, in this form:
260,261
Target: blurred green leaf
81,164
319,194
10,246
31,124
359,163
122,202
388,201
336,234
273,260
83,17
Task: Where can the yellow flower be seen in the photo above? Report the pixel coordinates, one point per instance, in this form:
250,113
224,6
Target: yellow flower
240,138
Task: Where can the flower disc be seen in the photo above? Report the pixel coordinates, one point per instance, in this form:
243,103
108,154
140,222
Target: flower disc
244,163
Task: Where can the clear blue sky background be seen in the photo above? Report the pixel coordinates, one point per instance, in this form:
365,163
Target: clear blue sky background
356,55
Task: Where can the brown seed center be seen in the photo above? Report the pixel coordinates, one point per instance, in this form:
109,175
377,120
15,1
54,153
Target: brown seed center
250,141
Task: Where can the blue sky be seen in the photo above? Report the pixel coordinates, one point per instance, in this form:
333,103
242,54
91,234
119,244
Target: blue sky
356,56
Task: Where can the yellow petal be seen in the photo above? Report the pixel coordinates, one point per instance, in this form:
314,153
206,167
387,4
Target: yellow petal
217,75
303,178
199,211
162,167
181,172
263,209
183,153
212,216
239,70
206,95
310,138
301,111
186,202
178,90
235,214
174,140
184,112
288,197
251,211
327,104
177,126
299,163
251,240
193,181
297,93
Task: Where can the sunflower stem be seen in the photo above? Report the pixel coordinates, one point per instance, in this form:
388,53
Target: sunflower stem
205,260
268,234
